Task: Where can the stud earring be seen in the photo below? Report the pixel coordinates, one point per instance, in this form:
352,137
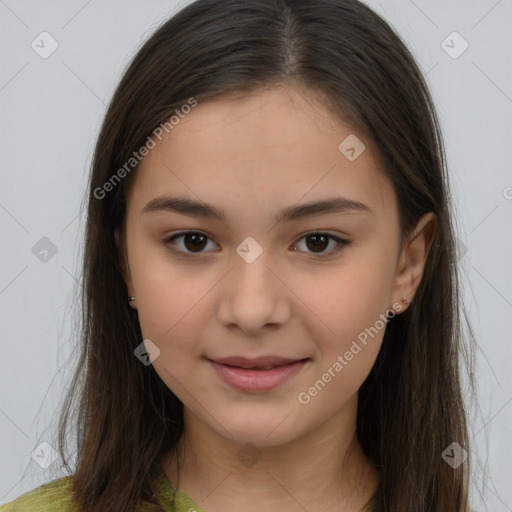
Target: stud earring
131,299
405,302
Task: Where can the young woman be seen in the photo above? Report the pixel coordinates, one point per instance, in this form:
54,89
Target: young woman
270,302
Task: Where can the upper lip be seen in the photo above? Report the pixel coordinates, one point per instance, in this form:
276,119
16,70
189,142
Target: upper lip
259,362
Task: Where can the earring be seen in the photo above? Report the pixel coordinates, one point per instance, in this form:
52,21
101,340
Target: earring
131,299
405,302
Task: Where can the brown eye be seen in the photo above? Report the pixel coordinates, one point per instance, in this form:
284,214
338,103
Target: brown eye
192,242
317,243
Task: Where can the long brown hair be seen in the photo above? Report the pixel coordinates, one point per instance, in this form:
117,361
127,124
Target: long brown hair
411,406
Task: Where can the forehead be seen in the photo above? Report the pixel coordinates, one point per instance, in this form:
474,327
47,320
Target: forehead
269,147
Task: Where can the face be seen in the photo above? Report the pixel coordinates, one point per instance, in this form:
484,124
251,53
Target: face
312,287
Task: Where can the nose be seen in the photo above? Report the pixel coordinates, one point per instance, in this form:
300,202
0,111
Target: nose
254,296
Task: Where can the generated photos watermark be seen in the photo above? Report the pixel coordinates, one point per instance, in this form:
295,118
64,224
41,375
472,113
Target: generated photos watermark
137,156
304,397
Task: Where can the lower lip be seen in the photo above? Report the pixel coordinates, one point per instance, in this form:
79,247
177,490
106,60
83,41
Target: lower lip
246,379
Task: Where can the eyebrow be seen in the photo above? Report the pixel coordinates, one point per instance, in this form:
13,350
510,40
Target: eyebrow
193,208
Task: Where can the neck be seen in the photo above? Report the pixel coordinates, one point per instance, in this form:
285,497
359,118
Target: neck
325,469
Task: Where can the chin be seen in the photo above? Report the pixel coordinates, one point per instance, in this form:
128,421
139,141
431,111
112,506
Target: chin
259,430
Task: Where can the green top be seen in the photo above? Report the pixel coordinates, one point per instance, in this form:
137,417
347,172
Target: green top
56,496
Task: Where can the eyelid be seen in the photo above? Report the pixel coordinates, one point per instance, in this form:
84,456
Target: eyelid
167,241
342,242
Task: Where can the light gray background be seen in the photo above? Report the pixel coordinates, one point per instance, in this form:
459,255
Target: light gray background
51,110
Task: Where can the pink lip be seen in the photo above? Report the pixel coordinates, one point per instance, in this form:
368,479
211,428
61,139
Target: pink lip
245,378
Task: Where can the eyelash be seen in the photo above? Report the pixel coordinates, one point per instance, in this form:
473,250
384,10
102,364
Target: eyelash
340,241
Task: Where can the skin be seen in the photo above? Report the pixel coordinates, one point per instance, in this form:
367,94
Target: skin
251,157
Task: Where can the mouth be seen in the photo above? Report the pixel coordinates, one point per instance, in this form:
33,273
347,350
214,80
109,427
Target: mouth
253,375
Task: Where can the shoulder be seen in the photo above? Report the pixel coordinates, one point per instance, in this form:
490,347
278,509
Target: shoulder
55,496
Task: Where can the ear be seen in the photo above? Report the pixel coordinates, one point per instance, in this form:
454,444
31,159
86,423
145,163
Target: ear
123,263
412,260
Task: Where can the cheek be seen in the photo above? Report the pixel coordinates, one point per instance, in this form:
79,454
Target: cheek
168,294
170,308
356,313
351,303
352,297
